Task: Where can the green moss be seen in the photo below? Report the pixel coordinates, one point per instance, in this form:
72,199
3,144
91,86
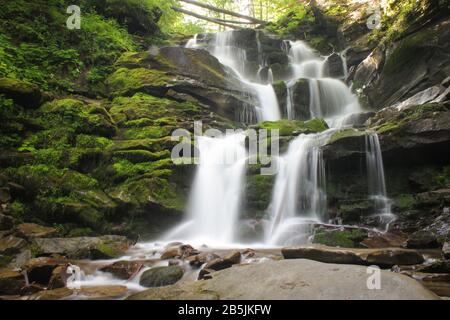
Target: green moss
291,127
404,201
345,133
139,156
17,209
151,132
129,81
340,238
411,114
409,50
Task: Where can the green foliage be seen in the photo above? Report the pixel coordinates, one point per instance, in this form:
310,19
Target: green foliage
294,127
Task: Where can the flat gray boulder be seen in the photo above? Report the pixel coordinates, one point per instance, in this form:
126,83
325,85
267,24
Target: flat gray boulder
292,280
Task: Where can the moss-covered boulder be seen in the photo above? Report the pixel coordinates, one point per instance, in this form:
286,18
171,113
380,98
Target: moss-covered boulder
294,127
161,276
26,94
126,82
105,247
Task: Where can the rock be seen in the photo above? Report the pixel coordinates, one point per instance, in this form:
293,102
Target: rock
422,239
446,250
11,282
202,258
105,247
381,257
438,266
26,94
205,274
180,251
437,283
292,279
301,98
161,276
11,245
32,230
323,254
5,196
218,264
6,222
334,66
385,240
31,289
55,294
20,259
102,292
59,277
123,269
234,257
40,270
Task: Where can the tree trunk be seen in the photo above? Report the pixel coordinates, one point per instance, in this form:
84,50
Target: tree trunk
213,20
227,12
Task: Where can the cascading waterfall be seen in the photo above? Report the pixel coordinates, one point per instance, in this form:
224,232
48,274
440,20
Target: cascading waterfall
299,199
299,196
215,198
376,180
235,58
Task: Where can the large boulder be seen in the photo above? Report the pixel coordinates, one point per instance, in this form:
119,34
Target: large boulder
387,257
26,94
105,247
161,276
292,279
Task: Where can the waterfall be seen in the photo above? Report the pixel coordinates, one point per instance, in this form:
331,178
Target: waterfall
213,209
300,189
192,43
235,58
376,180
329,98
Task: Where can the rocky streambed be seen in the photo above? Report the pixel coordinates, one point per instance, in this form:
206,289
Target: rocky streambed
80,268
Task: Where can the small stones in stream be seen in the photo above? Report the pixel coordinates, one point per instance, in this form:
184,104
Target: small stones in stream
123,270
161,276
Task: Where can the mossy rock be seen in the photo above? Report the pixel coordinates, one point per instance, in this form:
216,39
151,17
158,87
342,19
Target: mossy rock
78,116
294,127
340,238
126,82
26,94
161,276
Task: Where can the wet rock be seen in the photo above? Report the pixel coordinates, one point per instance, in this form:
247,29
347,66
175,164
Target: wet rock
31,289
446,250
334,66
218,264
385,240
11,282
292,279
123,269
161,276
32,230
422,239
5,196
381,257
11,245
180,251
234,257
434,267
55,294
21,259
59,277
437,283
202,258
105,247
205,274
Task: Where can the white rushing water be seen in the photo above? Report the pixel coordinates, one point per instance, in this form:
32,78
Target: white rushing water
235,58
376,181
213,209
